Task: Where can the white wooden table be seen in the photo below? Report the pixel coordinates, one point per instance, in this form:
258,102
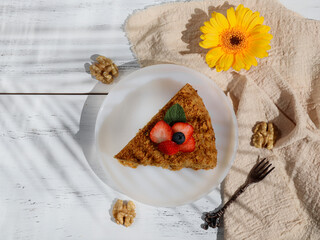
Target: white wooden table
50,184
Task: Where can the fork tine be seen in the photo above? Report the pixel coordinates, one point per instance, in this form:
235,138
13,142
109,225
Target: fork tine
264,170
262,166
267,173
256,167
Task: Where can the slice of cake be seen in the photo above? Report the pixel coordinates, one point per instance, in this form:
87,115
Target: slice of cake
179,136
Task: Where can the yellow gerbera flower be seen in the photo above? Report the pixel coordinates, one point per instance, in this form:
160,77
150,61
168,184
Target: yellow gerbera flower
235,41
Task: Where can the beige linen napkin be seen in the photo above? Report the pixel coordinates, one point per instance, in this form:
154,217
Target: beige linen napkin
284,88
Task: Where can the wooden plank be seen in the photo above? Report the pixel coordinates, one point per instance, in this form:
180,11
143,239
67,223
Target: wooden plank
49,181
45,45
307,8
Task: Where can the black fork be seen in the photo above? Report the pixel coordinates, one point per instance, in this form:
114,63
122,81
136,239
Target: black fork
257,173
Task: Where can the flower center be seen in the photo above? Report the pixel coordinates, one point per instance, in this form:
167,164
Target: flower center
233,41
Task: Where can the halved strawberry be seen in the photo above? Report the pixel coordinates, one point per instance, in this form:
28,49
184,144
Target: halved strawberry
188,146
168,147
185,128
161,132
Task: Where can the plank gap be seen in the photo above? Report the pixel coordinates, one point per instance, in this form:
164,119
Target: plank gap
54,93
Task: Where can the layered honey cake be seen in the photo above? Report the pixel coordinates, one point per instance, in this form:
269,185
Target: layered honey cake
179,136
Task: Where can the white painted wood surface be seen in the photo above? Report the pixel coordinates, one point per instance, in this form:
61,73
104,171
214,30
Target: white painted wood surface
50,184
49,181
44,44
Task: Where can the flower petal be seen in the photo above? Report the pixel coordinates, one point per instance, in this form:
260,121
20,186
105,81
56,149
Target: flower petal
215,24
260,43
228,61
231,15
258,35
259,29
207,28
218,68
225,61
249,60
247,67
247,18
240,12
210,36
257,20
213,56
221,20
239,8
208,43
238,63
259,52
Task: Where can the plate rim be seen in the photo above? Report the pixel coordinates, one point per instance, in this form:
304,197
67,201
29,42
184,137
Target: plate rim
233,117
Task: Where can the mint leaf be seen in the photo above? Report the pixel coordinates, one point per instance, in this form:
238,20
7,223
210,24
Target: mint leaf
175,114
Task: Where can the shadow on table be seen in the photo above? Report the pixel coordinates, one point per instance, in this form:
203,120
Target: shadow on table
191,34
220,230
86,134
220,234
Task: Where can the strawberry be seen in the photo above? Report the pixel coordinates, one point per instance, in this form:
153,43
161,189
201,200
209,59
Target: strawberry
188,146
185,128
161,132
168,147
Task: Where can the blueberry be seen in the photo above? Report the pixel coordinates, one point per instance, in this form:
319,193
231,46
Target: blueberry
178,137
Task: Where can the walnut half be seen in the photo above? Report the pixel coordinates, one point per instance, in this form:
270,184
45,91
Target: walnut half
104,70
124,212
264,135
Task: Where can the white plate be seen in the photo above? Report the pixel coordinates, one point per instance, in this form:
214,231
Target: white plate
131,104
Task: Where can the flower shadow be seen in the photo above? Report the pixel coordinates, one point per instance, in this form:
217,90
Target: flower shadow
191,34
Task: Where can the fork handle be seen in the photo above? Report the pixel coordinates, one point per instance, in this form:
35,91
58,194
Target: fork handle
234,196
212,219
